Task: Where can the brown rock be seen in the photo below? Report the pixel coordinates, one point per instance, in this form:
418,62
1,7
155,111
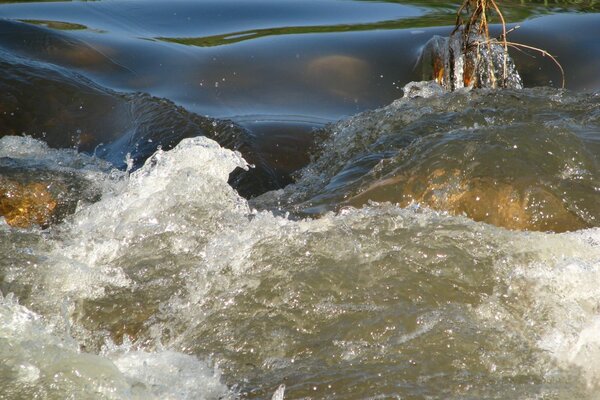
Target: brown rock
25,205
518,205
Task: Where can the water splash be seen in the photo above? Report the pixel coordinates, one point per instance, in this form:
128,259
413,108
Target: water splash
279,393
36,362
176,268
495,156
478,63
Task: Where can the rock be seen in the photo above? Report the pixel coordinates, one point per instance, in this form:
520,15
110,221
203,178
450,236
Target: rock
25,205
519,205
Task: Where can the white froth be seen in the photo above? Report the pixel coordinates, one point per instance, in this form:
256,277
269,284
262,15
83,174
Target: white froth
564,291
172,376
22,147
33,151
44,364
33,354
165,195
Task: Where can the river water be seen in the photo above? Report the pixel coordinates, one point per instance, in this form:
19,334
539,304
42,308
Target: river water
245,197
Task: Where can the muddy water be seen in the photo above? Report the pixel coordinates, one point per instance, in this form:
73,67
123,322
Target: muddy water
431,246
521,158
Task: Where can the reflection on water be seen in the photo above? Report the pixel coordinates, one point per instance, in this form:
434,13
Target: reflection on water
266,46
239,36
159,279
62,26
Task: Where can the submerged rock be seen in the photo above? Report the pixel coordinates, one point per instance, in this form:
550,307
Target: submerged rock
521,159
522,205
25,205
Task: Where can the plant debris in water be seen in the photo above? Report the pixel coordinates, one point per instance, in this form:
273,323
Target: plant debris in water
469,57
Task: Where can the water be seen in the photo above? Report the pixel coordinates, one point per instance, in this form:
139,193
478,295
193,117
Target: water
216,234
482,66
461,152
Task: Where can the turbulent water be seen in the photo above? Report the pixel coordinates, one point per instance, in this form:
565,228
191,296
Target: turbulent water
523,159
435,246
172,286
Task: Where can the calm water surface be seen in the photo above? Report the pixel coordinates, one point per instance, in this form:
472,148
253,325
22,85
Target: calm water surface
245,200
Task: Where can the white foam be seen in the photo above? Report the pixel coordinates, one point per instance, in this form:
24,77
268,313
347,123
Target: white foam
41,362
29,150
173,192
170,375
563,299
22,147
34,355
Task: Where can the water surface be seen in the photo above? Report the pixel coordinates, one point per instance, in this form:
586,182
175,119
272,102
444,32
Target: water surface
244,201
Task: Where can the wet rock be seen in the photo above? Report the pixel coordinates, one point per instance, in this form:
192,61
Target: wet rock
519,205
522,159
25,205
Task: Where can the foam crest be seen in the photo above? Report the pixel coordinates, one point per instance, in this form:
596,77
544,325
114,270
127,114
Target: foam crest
174,192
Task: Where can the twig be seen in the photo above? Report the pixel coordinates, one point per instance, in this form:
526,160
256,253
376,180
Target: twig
514,28
504,43
545,54
478,18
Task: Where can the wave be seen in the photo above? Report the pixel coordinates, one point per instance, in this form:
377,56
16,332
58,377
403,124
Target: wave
175,265
522,159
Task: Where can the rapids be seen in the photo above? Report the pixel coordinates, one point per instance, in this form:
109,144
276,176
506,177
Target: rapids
252,200
171,268
524,159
